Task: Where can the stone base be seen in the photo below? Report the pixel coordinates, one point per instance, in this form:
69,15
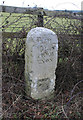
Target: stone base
40,88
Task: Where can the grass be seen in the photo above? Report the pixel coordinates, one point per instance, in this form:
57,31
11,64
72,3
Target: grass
15,103
24,22
15,22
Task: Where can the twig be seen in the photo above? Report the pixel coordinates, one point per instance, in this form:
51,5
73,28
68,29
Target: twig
63,109
75,87
12,104
73,97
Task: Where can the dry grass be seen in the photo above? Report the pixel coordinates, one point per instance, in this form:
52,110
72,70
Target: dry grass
65,104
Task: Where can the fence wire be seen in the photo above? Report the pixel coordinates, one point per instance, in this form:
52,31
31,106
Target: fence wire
15,28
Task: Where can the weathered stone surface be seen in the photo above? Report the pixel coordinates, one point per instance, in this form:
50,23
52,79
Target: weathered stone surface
40,62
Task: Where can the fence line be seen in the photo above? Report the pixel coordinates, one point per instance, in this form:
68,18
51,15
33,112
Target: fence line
40,11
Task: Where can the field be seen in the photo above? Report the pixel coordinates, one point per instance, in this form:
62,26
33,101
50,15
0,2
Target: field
67,102
15,22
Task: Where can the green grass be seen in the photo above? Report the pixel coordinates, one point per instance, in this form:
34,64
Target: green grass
15,22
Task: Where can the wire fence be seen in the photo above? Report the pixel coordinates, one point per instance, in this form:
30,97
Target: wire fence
67,25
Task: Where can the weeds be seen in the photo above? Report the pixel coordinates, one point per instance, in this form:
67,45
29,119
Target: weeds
67,100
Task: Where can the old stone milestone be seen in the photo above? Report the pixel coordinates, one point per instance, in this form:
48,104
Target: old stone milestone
40,62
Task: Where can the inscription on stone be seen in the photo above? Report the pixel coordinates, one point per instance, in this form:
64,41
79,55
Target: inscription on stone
46,53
